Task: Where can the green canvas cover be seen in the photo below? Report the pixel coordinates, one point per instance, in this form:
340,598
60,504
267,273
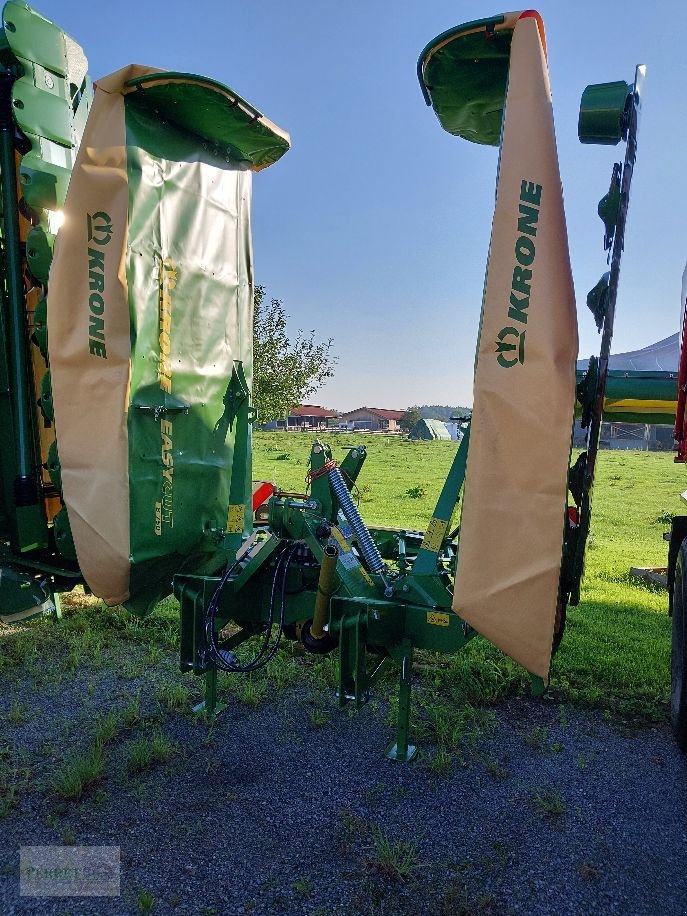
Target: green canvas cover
149,314
429,429
463,75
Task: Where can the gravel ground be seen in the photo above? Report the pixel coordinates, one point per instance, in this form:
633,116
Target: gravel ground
553,811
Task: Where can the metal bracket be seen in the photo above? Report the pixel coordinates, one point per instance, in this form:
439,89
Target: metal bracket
159,410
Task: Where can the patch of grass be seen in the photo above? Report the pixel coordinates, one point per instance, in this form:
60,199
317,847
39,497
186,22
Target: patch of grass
249,690
17,713
285,669
129,668
538,739
8,797
351,829
549,804
416,492
457,901
131,714
440,762
664,517
319,717
365,493
302,886
174,696
155,655
393,859
147,751
107,726
352,824
145,902
78,773
493,767
455,729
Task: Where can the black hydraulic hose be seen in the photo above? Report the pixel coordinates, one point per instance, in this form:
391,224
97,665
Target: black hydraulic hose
220,657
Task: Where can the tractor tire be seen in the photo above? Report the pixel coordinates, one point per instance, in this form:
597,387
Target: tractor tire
678,660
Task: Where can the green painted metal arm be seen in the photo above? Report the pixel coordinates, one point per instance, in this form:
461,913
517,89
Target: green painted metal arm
428,555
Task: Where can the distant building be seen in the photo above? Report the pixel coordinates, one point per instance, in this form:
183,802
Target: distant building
427,428
305,417
374,419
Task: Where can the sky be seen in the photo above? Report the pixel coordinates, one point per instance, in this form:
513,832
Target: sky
374,228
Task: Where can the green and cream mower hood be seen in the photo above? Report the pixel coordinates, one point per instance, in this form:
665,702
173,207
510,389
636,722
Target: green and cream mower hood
150,322
488,83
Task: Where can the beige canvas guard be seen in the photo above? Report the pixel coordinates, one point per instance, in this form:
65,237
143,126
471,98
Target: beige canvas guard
91,390
516,481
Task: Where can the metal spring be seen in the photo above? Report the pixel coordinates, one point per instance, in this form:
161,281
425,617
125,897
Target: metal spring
368,548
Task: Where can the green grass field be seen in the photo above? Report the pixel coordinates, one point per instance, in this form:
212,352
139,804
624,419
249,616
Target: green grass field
616,650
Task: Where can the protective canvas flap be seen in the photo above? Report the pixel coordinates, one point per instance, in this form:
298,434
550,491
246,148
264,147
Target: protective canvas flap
90,349
516,479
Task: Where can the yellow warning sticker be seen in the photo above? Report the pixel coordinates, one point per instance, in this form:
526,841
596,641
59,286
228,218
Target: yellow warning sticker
434,535
235,518
366,576
437,620
340,539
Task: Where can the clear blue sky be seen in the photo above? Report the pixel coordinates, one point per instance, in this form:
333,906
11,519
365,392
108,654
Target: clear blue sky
374,229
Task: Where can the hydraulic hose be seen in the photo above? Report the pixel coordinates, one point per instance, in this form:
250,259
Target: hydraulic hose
227,661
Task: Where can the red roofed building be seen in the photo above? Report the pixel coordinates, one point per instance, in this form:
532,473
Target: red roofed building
375,419
307,416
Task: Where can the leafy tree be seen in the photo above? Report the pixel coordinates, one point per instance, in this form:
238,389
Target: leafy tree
440,412
285,372
410,418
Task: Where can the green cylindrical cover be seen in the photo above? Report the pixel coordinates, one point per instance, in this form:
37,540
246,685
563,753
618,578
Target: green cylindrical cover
601,113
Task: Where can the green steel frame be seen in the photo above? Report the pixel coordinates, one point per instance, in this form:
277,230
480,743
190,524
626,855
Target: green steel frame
383,616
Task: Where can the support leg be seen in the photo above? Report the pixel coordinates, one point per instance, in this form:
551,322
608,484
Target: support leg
57,601
210,707
401,750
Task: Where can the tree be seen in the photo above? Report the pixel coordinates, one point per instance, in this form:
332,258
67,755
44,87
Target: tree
285,372
410,418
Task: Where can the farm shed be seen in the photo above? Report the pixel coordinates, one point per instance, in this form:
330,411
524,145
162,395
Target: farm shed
307,416
373,418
